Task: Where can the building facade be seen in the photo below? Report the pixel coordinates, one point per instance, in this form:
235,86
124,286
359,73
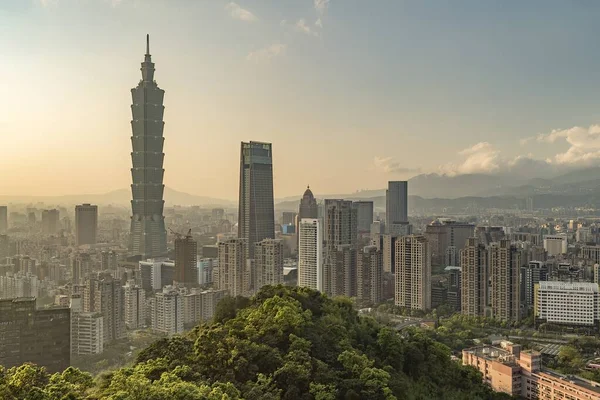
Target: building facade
474,278
447,238
413,273
166,311
135,305
567,303
555,244
268,263
148,236
186,256
369,276
364,215
105,295
86,224
3,219
396,203
310,254
505,271
340,234
233,267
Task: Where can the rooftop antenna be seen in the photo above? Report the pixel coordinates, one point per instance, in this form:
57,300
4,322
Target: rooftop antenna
147,44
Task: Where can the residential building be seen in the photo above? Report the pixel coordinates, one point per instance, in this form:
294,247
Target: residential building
256,219
148,236
87,330
413,272
233,267
135,305
474,278
396,203
156,273
3,219
369,276
443,234
340,234
106,296
186,256
19,285
389,252
310,254
555,244
505,271
591,253
454,287
531,275
584,234
364,215
86,224
268,263
200,305
166,312
205,268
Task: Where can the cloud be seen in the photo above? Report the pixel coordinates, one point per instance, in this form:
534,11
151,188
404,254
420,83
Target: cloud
48,3
52,3
240,13
389,165
479,158
267,53
584,145
301,26
321,6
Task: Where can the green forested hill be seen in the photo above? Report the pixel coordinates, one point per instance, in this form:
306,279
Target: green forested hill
284,343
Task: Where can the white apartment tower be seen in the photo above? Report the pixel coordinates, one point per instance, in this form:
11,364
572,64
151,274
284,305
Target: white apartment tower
135,306
310,254
167,311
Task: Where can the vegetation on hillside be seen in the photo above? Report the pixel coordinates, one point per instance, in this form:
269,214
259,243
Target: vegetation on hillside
284,343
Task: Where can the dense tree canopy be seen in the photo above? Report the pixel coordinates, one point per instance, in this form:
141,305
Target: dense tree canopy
284,343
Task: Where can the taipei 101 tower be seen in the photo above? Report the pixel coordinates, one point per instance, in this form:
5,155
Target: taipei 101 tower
148,236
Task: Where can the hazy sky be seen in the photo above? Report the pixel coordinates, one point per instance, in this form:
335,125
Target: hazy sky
351,93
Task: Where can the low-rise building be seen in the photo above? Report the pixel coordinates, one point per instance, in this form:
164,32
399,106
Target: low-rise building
567,303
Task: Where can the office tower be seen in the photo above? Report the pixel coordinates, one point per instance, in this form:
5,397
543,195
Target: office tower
148,236
505,269
135,305
389,253
364,215
446,239
413,273
531,275
340,234
81,268
50,221
41,337
555,244
474,278
256,219
105,295
205,270
369,276
87,329
186,256
3,219
308,206
86,224
400,229
396,203
288,218
268,263
233,274
310,253
166,312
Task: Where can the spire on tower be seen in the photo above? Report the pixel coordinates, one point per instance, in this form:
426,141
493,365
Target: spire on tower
147,44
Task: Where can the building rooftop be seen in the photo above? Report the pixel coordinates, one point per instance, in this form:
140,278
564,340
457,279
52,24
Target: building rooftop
493,354
574,286
584,383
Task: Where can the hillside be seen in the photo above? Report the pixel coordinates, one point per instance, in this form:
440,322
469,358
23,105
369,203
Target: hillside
284,343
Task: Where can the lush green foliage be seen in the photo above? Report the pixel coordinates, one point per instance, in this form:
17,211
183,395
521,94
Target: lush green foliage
285,343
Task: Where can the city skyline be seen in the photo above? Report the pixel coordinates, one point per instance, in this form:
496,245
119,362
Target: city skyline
509,115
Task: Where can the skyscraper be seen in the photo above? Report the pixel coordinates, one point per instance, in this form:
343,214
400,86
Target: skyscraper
413,273
256,210
364,215
268,263
50,221
86,224
3,219
233,273
396,204
446,239
105,295
308,206
369,272
186,257
505,268
310,253
148,235
474,279
339,268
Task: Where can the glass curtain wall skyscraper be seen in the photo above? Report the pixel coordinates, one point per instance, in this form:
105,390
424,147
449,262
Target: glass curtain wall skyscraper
256,206
148,235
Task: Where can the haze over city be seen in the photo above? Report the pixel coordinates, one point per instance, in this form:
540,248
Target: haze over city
351,93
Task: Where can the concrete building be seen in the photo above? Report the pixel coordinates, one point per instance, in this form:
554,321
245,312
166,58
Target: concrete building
166,311
156,273
413,272
584,234
310,254
443,234
87,330
3,219
400,229
308,206
41,337
233,267
555,244
565,303
205,268
454,287
364,215
50,221
105,295
519,373
288,218
505,271
256,205
200,305
591,253
396,203
531,275
86,224
389,253
148,236
268,263
369,276
474,278
19,285
135,305
340,234
186,256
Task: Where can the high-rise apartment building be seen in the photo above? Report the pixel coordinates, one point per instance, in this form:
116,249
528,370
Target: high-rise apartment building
446,239
473,278
369,276
256,205
310,254
531,275
41,337
167,311
86,224
105,295
364,215
340,233
135,305
396,203
389,252
268,263
200,305
3,219
50,221
233,267
413,272
148,236
505,271
87,329
186,257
